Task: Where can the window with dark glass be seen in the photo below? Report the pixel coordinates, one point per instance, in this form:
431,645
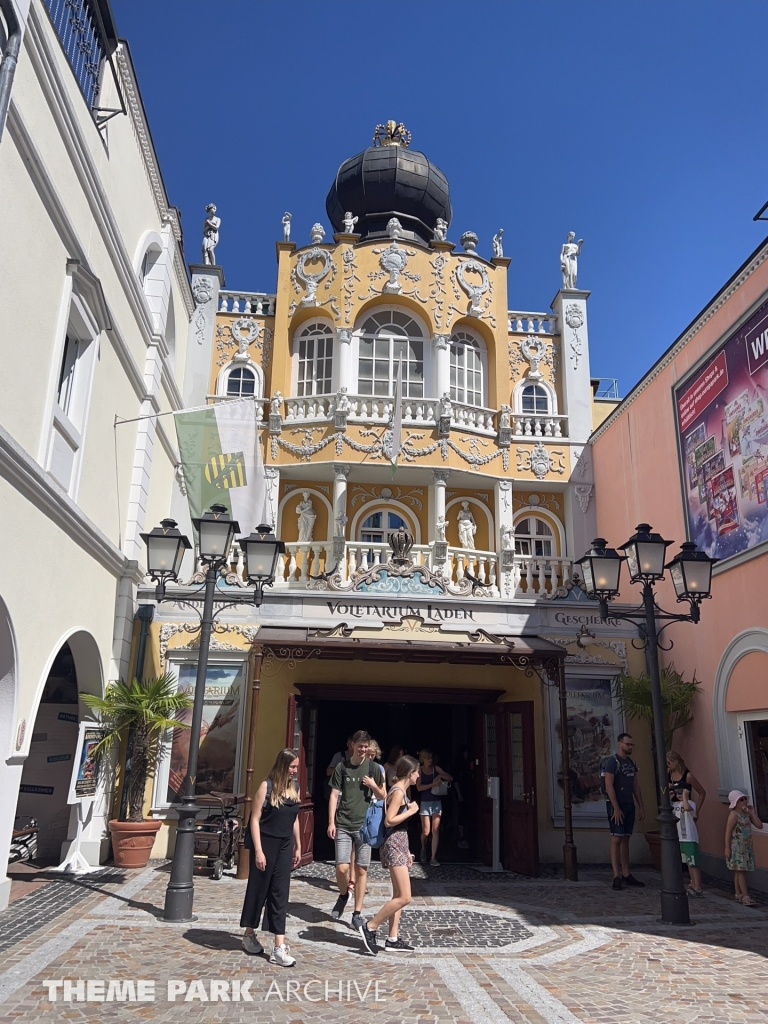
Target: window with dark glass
386,339
241,382
533,538
69,365
535,400
757,748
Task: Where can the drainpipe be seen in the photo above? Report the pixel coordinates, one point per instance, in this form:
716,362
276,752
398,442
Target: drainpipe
10,58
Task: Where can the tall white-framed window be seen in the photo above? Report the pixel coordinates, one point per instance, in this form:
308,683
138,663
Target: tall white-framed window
314,353
221,736
467,370
534,538
84,317
385,339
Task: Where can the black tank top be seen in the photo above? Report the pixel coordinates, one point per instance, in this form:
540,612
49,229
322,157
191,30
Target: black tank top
278,821
401,824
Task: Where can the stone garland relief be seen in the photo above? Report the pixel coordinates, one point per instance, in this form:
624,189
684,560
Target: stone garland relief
574,318
536,351
302,277
540,461
364,494
349,274
243,332
479,293
169,629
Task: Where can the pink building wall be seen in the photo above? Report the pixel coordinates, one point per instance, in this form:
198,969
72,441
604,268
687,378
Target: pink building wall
637,479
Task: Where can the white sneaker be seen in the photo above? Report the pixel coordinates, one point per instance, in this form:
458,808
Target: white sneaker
280,956
252,945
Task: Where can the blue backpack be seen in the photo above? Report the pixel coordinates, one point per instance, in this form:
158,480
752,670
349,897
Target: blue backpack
373,831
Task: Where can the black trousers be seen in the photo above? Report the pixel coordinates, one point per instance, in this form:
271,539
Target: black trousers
269,887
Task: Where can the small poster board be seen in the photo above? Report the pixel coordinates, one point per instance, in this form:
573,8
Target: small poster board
85,776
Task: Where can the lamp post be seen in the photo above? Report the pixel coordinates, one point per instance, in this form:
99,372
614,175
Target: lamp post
691,572
165,551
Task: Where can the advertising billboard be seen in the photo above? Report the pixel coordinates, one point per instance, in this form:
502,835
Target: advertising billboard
722,420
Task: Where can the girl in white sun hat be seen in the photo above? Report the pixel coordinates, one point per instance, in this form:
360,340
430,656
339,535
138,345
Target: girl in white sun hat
739,851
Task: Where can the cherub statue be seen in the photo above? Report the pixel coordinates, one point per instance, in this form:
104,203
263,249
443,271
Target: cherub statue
440,230
498,248
211,226
287,227
342,400
504,417
276,404
349,223
394,229
317,234
445,407
440,527
507,538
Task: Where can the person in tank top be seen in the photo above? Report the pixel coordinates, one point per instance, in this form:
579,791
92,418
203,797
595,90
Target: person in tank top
274,844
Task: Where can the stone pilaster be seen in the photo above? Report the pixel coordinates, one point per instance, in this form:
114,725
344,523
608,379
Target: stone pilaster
339,526
570,306
505,542
206,284
344,359
272,474
441,345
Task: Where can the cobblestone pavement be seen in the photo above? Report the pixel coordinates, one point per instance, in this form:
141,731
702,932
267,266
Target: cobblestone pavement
491,949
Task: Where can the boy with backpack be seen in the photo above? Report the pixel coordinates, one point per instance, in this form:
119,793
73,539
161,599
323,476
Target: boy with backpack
355,782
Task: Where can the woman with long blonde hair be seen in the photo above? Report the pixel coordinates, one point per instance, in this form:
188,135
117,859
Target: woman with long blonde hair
275,848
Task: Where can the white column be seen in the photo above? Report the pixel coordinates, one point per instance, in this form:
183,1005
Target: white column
441,348
206,283
272,473
570,307
344,359
503,511
340,475
440,478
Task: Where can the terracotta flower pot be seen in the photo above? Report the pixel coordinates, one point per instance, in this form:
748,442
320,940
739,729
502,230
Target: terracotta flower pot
654,845
132,842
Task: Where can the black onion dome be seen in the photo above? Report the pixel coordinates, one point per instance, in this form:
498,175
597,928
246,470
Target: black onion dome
390,181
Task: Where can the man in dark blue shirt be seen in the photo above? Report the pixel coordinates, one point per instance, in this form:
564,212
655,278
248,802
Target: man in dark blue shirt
622,791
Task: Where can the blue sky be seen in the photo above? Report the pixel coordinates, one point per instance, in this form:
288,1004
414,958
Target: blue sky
641,126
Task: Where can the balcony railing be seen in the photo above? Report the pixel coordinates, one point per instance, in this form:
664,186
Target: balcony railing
539,426
255,303
531,323
418,412
529,578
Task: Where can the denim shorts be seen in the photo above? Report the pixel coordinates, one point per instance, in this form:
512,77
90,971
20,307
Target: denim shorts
345,841
430,807
627,826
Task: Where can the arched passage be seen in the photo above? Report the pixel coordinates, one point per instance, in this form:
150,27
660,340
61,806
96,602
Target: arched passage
11,737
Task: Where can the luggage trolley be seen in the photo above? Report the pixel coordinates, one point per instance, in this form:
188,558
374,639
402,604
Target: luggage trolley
216,835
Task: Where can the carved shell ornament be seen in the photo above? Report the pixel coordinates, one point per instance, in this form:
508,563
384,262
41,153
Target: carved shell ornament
574,317
202,291
474,292
540,461
312,280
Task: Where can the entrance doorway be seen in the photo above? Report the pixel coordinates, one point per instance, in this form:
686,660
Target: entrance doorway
472,743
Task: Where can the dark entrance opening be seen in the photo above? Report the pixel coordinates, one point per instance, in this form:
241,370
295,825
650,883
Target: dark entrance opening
446,729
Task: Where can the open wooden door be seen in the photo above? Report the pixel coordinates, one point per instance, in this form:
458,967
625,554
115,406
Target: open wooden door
301,736
505,740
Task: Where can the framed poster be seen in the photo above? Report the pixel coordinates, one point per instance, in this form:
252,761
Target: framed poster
593,725
220,733
85,774
722,425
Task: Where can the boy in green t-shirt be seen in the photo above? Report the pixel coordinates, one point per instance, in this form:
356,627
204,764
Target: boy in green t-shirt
354,783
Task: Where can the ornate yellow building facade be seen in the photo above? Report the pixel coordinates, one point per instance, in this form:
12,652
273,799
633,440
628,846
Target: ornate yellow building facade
459,644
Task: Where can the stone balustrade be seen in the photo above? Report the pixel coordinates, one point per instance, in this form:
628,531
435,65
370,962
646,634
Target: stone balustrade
421,412
531,323
539,426
310,407
538,577
253,303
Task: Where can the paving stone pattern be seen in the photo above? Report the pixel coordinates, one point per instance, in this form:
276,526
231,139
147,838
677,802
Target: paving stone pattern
490,949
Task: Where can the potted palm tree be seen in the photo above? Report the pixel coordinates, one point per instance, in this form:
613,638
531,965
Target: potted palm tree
633,695
147,710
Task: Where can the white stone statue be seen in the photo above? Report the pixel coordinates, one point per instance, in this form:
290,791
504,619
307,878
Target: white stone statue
440,527
504,417
317,234
507,538
276,404
569,258
349,223
440,230
287,217
341,525
211,226
445,407
498,248
467,527
394,228
307,516
342,400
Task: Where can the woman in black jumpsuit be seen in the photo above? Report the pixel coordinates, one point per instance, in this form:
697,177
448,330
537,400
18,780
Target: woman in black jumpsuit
275,848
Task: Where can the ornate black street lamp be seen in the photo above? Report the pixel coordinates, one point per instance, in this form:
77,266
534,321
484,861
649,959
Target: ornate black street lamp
165,552
691,572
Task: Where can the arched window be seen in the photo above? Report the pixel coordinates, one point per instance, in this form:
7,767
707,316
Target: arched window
241,383
535,400
150,258
315,352
466,369
386,338
379,526
533,538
